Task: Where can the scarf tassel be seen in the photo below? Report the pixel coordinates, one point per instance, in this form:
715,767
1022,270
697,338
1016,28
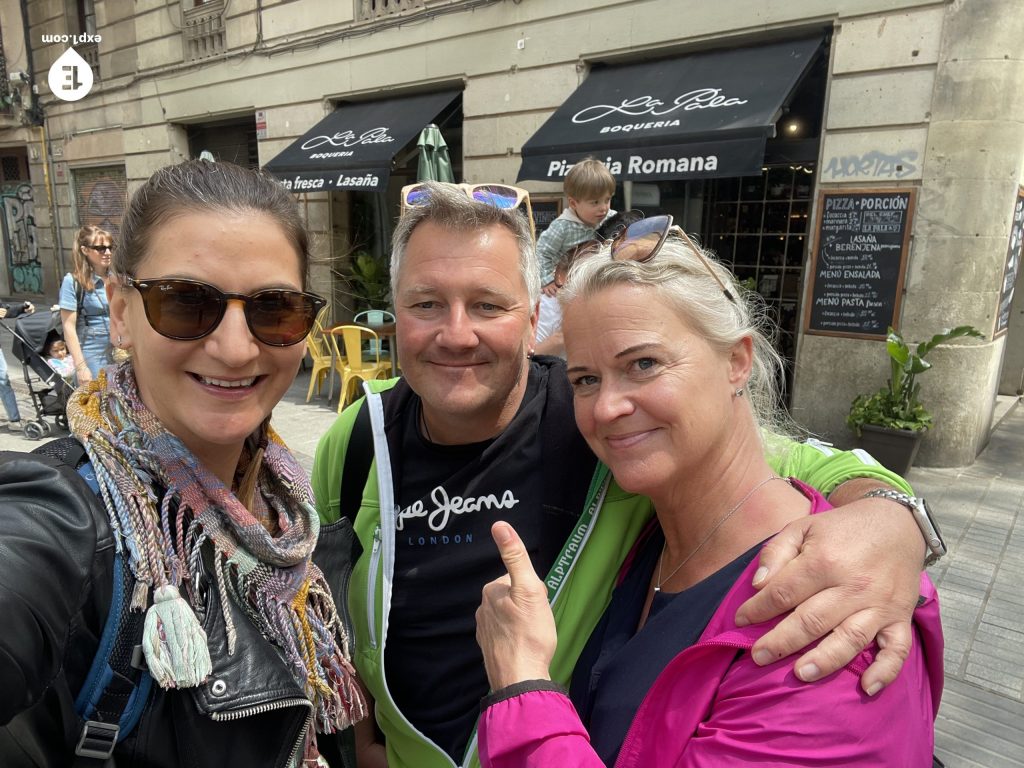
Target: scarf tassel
174,642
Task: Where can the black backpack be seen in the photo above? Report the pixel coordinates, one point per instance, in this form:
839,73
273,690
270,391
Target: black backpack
117,687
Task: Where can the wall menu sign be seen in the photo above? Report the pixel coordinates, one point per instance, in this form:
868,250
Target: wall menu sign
1012,270
546,208
859,261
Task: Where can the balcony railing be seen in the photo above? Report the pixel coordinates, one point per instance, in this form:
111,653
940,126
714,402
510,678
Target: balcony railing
370,10
91,53
203,32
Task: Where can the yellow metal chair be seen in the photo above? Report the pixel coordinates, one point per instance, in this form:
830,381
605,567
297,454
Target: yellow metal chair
324,353
357,367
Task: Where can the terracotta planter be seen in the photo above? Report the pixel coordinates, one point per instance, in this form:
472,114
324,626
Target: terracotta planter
894,449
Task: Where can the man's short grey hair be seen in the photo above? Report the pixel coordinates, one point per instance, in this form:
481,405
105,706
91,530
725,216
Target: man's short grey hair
679,277
450,207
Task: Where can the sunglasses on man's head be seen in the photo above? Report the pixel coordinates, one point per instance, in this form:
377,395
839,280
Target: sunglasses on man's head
498,195
642,240
186,310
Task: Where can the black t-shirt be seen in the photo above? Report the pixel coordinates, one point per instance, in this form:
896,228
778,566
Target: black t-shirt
619,665
534,475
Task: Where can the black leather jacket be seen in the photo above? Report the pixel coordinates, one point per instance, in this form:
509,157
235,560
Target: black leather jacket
56,574
14,308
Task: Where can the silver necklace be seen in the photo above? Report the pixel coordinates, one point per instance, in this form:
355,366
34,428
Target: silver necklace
707,537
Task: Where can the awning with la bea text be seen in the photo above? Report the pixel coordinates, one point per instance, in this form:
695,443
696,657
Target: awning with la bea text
352,148
698,116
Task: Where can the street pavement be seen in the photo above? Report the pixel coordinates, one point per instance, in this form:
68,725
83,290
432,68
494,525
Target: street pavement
981,511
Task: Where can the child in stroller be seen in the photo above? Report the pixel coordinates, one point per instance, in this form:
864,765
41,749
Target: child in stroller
33,336
57,358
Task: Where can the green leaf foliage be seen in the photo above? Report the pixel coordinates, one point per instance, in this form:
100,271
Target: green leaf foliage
896,405
370,280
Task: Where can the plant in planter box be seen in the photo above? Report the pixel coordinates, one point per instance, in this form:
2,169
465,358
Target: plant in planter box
894,412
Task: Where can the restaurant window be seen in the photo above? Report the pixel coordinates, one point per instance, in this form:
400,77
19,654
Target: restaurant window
758,225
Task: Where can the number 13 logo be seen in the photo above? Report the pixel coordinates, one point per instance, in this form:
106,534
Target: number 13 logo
70,78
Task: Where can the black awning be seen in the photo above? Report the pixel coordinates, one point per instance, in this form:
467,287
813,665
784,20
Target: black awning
698,116
352,148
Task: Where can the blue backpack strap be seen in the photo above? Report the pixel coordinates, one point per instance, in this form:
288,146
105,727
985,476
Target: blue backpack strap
116,689
117,686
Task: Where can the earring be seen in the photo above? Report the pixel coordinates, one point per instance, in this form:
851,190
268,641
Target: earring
120,342
738,392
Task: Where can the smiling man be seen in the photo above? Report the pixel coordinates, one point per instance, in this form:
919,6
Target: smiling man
479,430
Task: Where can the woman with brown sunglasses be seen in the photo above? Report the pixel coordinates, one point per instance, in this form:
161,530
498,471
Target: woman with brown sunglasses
184,492
675,389
84,312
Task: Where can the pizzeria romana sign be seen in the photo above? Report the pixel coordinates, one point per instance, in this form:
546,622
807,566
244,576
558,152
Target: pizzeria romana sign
640,166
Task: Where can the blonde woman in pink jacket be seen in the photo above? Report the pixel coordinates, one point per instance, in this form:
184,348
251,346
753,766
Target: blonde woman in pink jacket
675,391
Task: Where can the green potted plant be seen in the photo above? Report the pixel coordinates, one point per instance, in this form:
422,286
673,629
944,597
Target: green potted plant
369,280
891,422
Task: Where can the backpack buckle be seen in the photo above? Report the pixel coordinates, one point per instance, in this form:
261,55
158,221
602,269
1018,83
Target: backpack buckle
98,740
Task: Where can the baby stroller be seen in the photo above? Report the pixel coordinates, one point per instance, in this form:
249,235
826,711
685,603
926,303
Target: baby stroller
47,388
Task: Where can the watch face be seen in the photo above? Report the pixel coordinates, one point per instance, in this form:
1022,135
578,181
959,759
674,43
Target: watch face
939,544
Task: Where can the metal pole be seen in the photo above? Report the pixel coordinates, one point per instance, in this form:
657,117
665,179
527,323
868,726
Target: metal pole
51,200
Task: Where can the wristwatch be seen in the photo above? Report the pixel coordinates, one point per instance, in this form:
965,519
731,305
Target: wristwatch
922,516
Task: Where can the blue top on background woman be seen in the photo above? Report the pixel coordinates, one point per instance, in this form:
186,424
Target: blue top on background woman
83,303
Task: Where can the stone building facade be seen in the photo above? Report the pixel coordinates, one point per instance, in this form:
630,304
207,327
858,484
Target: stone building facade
921,95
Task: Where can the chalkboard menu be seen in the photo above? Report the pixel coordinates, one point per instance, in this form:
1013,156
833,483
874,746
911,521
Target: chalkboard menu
545,210
859,261
1013,255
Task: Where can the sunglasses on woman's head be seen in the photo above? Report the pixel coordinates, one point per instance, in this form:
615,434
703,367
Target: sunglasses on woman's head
186,310
642,240
101,248
498,195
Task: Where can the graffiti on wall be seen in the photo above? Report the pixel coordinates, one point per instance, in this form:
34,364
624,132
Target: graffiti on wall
20,244
872,165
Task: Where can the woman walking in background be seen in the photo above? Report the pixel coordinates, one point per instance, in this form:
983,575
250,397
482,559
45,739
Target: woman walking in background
7,397
83,303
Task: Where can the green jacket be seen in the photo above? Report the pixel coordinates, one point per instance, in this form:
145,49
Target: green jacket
579,584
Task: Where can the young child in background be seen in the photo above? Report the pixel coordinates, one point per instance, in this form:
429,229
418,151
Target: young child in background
548,339
589,186
57,358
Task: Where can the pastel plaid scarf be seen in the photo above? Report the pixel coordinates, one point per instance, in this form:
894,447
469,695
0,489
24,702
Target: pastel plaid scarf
164,506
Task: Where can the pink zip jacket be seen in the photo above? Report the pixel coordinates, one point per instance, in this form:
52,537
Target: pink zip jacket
712,706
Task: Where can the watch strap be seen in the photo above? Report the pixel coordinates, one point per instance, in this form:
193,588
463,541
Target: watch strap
922,516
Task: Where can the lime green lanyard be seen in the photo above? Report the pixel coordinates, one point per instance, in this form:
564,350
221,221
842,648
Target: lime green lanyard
578,538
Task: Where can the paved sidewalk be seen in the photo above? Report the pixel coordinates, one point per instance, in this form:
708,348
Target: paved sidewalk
981,511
